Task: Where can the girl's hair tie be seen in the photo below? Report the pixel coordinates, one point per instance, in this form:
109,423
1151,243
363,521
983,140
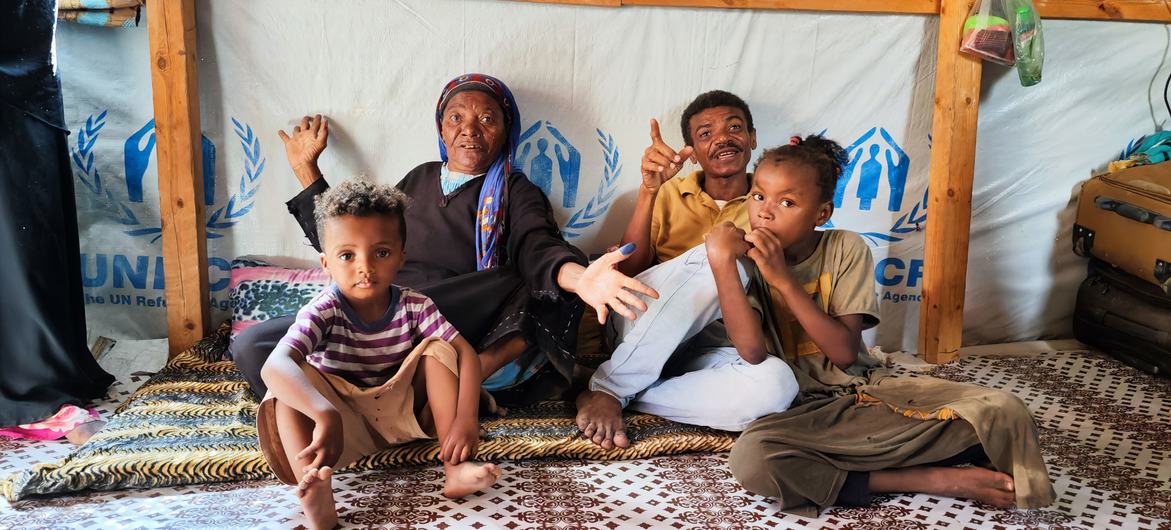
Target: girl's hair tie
794,140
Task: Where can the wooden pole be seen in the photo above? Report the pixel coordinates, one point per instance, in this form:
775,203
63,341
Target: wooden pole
174,80
949,206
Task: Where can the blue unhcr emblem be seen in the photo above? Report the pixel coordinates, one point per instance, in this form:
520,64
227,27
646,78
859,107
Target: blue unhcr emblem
534,160
540,168
871,168
873,156
136,157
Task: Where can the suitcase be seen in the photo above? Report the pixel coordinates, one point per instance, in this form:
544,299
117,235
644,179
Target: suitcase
1124,219
1126,317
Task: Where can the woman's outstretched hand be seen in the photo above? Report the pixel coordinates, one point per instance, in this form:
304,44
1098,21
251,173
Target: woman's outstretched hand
304,147
605,288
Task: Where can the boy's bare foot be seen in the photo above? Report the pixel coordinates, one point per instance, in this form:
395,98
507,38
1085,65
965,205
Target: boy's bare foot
469,477
599,417
316,493
975,483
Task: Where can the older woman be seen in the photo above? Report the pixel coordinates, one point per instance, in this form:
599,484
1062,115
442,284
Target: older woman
482,243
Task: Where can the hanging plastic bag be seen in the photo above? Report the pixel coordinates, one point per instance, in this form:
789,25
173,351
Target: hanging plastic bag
1027,40
988,34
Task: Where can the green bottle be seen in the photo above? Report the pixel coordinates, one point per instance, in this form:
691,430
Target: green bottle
1028,43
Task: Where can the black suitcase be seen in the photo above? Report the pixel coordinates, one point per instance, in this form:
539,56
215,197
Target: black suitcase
1126,317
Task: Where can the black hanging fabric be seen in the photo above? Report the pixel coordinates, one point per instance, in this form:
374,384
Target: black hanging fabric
44,361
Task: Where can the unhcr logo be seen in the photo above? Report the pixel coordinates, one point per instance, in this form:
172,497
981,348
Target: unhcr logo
871,199
135,279
873,186
543,150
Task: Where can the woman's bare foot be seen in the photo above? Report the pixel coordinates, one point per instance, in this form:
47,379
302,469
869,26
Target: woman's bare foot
599,417
82,433
488,404
469,477
501,353
316,493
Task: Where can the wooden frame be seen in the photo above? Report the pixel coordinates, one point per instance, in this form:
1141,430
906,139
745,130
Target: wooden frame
1127,10
174,81
171,24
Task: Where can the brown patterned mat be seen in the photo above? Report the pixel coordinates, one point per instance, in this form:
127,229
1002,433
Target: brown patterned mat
1104,431
195,422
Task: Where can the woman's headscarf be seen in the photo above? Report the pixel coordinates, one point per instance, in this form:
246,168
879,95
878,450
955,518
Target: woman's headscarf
489,214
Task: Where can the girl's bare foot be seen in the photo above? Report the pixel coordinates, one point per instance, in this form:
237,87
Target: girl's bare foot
976,483
469,477
316,493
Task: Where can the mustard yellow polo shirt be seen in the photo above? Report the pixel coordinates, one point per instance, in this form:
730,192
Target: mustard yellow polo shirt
684,213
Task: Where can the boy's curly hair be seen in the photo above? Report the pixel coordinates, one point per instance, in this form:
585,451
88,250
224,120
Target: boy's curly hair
711,100
826,156
361,199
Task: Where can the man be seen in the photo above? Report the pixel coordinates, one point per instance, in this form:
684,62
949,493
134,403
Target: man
675,372
673,215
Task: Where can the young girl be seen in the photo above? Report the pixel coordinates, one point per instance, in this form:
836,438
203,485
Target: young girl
853,431
367,364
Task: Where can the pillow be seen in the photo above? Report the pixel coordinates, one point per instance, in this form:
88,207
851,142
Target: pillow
262,291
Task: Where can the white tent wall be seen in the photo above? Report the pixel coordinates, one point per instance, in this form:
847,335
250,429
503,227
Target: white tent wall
590,79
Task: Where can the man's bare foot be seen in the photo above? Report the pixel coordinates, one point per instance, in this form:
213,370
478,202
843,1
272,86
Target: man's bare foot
469,477
316,493
975,483
599,417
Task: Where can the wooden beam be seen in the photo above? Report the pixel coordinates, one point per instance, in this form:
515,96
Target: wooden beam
1122,10
600,3
174,80
949,206
1128,10
920,7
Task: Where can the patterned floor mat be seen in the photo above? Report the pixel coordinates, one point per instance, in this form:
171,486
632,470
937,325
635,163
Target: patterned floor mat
1105,434
194,422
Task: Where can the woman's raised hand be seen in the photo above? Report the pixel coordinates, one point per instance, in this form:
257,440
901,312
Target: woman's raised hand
304,147
605,288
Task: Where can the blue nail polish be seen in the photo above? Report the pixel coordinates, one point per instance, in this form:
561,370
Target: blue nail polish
627,249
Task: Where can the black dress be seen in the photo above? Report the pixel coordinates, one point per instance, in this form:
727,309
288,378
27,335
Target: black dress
43,352
520,295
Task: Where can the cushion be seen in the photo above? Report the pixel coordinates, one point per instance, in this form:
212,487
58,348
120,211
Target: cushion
261,291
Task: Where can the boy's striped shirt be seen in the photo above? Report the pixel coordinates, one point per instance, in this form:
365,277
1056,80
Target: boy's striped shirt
333,339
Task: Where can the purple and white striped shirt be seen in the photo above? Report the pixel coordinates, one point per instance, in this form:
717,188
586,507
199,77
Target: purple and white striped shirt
334,340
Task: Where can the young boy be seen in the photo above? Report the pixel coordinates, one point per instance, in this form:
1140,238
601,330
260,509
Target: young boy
853,430
367,364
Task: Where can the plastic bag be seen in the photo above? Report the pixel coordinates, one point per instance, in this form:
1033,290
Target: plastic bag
1027,40
987,33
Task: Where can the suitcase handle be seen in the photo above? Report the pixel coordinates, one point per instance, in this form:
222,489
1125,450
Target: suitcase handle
1133,212
1137,330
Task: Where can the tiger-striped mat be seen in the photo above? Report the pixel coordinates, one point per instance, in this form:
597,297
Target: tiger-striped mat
195,422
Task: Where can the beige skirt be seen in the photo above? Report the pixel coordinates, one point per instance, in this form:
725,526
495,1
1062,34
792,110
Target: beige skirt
373,418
